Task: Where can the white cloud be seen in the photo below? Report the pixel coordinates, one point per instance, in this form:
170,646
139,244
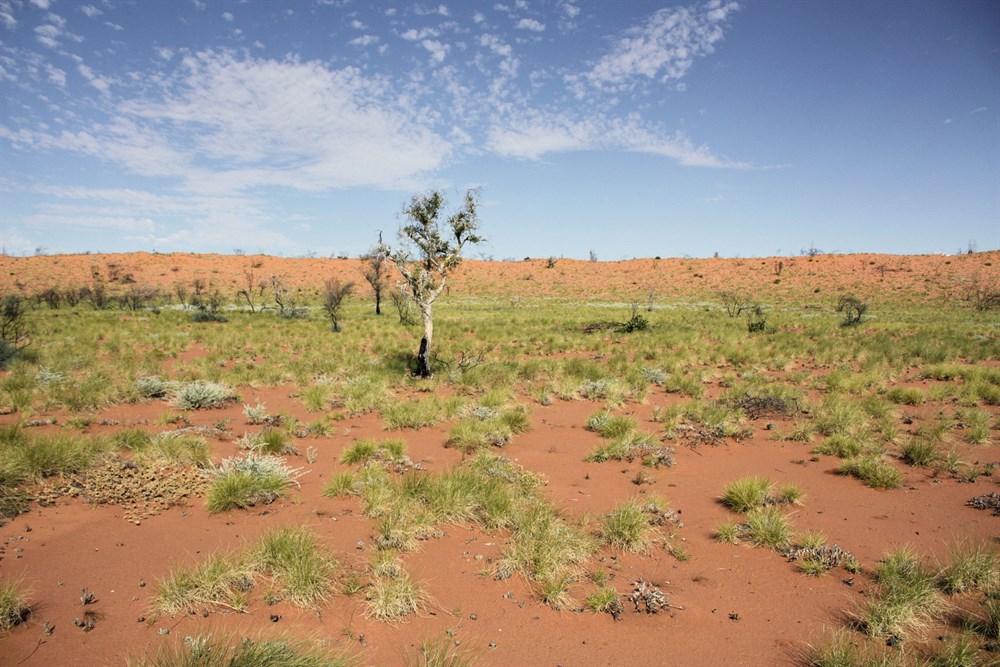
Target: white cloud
437,50
220,124
530,24
533,135
7,16
571,10
358,25
48,35
199,4
663,48
440,10
41,4
99,82
496,45
56,75
51,32
175,221
228,16
413,35
113,26
478,17
364,40
91,11
164,52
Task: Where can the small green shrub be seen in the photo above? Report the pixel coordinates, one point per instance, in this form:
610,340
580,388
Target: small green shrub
151,386
202,395
255,414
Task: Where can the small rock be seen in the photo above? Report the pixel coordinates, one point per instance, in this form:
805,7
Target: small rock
163,631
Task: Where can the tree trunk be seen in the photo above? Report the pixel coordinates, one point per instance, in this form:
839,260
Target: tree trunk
378,302
424,354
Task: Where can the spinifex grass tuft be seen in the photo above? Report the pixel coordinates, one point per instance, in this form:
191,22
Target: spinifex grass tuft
627,527
768,527
905,600
14,607
212,651
298,568
873,470
972,566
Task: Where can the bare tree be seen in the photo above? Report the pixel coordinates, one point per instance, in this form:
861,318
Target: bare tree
376,270
333,298
435,254
853,309
403,302
280,293
249,283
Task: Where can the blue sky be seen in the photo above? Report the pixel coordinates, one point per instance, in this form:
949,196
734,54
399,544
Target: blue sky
630,128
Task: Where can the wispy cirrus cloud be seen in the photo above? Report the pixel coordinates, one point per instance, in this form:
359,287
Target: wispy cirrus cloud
534,135
219,124
7,15
662,49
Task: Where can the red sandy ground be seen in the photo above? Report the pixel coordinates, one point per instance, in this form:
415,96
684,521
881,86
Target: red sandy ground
62,549
822,278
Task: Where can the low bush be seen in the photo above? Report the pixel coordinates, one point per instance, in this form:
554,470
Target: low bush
202,395
249,481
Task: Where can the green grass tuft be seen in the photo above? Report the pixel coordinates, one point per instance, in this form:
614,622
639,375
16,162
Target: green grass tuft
873,470
746,493
971,567
768,527
209,651
627,527
14,607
